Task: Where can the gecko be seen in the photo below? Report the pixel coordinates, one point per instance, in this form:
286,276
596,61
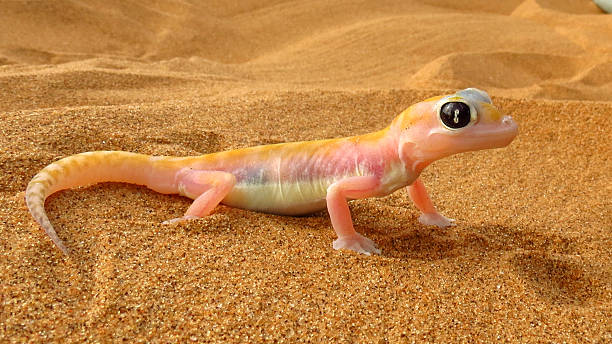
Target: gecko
299,178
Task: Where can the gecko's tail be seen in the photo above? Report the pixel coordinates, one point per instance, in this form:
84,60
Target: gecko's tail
82,170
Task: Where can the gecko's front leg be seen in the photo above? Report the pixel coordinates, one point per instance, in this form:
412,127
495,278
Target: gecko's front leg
430,215
207,188
340,215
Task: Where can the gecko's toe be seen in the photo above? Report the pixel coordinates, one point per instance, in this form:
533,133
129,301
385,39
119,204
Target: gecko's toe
357,243
180,219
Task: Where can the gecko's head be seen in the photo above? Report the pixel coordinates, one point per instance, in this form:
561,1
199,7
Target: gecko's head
460,122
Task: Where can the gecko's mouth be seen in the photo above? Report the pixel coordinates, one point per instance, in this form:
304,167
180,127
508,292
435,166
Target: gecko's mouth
480,136
493,135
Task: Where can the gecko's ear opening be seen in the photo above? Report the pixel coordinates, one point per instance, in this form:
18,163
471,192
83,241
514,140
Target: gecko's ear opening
412,157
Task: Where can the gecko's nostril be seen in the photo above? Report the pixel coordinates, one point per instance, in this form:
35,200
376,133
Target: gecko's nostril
507,120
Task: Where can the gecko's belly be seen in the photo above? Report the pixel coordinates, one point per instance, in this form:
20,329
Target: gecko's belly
295,198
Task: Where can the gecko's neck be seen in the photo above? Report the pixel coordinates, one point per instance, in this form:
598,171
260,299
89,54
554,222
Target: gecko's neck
381,150
389,148
408,152
383,144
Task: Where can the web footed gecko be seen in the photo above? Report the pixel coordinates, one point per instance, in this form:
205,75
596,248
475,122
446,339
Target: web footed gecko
301,177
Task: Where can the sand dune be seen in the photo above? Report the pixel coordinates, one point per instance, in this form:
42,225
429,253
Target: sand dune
342,44
529,260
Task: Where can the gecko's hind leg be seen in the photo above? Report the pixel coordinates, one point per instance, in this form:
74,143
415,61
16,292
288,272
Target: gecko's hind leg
207,188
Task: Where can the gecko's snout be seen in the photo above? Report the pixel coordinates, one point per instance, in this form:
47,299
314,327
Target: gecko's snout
507,131
510,124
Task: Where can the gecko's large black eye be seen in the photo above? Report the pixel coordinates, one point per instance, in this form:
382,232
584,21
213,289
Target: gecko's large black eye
455,115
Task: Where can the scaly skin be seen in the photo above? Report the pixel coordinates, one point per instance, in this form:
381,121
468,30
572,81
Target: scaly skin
297,178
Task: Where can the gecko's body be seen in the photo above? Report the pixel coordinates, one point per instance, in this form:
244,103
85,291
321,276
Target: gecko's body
302,177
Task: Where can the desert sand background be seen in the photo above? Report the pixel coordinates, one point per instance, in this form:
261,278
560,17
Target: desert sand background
529,259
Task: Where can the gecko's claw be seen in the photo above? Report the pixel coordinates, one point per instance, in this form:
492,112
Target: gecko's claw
357,243
180,219
436,219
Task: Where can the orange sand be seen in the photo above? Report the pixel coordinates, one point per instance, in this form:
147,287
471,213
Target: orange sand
530,258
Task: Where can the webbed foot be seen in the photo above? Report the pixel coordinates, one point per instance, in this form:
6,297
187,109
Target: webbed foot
357,243
436,219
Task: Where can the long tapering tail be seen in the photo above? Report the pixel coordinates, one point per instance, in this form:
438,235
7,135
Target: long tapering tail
91,168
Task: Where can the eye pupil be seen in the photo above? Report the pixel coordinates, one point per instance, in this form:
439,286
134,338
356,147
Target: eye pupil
455,115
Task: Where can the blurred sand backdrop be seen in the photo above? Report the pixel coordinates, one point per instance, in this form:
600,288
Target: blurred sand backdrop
529,259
